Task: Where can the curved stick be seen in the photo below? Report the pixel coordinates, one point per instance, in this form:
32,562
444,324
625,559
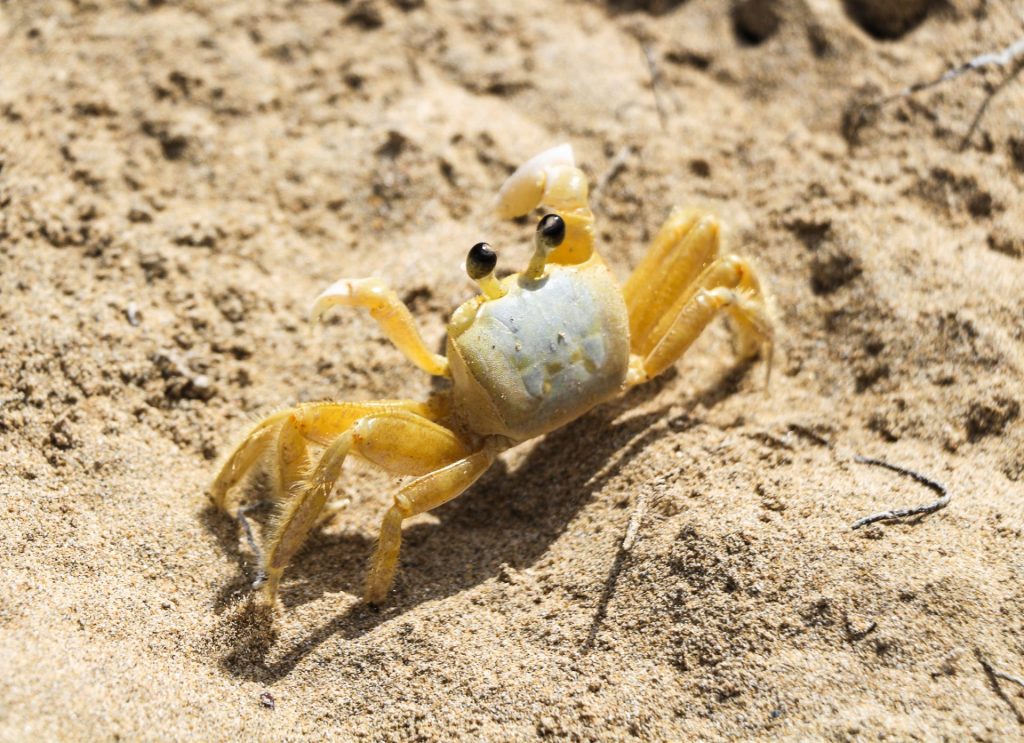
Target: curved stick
899,513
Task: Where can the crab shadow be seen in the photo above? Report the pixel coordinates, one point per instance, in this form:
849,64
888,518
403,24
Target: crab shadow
508,518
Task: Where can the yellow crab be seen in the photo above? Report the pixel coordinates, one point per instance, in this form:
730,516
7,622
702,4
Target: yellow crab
532,352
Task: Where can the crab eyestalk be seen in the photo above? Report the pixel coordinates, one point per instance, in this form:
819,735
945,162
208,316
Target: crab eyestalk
480,265
550,234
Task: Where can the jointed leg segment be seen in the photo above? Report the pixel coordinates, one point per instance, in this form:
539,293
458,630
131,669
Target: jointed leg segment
317,422
291,457
684,246
389,311
422,494
299,514
680,286
253,448
393,435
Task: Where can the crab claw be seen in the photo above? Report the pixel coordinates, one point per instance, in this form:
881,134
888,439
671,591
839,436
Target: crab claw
351,292
390,313
525,189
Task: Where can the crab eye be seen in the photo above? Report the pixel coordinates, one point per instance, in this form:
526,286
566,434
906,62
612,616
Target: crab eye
480,261
480,265
551,229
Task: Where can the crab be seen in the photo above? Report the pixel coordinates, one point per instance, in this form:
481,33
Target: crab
530,353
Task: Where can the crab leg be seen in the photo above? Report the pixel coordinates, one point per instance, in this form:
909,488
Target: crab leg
680,285
730,284
389,311
398,441
279,440
253,448
422,494
291,456
686,243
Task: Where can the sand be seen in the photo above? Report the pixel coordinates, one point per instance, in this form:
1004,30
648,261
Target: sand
180,179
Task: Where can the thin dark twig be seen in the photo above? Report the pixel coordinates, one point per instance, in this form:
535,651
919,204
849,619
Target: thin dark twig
942,502
261,577
1001,58
625,547
652,67
984,104
606,597
993,679
1009,677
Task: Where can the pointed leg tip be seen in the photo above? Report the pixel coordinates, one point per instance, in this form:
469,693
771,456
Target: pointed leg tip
374,597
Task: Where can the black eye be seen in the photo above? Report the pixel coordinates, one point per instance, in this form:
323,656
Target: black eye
552,229
480,261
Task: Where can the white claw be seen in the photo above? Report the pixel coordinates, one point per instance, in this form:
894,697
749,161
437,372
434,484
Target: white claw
524,188
336,293
349,292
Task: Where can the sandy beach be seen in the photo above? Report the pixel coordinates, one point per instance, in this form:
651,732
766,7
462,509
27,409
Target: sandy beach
178,181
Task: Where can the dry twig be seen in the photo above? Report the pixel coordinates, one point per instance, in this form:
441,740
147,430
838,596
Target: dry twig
652,67
261,577
993,678
1008,677
632,528
900,513
1002,58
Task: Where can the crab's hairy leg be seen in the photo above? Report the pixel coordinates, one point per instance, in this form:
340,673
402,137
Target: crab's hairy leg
399,442
686,243
728,284
318,421
422,494
290,461
251,450
301,512
731,272
390,313
551,180
322,422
